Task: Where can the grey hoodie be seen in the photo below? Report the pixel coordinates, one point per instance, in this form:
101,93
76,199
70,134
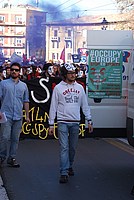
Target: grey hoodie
67,99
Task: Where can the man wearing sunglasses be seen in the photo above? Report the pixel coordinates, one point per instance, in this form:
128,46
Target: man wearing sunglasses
14,96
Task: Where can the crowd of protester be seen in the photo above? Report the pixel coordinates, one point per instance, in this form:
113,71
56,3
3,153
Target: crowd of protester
46,70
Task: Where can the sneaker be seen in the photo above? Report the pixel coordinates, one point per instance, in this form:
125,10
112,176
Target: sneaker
71,172
1,161
63,179
13,163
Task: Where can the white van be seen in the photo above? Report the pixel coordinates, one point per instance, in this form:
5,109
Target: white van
110,114
130,105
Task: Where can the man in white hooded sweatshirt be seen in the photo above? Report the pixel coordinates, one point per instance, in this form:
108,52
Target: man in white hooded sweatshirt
67,99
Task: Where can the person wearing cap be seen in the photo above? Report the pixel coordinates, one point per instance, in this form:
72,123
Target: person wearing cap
67,98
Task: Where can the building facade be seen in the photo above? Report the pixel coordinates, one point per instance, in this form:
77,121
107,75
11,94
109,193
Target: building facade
21,31
73,36
24,31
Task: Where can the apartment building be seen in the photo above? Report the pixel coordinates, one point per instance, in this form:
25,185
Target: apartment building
60,37
72,34
21,31
66,35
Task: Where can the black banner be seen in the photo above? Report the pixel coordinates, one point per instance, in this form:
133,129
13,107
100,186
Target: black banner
40,91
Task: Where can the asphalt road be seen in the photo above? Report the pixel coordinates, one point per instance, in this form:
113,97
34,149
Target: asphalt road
104,170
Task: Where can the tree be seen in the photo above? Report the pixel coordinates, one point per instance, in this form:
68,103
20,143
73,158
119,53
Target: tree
127,7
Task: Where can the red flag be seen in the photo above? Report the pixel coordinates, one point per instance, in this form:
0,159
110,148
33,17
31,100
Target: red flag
62,56
24,57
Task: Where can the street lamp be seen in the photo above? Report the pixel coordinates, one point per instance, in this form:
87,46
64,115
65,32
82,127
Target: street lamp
104,24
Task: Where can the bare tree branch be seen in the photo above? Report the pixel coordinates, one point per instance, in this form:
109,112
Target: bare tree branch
127,7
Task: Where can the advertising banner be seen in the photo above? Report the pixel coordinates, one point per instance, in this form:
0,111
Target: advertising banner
105,73
76,58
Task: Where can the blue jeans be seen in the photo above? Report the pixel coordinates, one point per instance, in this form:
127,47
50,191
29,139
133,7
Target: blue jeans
10,131
68,138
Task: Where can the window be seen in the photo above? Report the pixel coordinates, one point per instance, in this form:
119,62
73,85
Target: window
52,44
55,56
1,29
1,51
69,56
55,33
68,44
69,33
55,44
18,19
19,30
19,53
34,21
30,20
1,41
18,42
2,18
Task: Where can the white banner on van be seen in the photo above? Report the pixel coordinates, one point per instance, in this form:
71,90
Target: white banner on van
105,73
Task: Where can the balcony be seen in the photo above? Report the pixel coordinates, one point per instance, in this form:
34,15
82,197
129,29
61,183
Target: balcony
19,45
12,35
13,46
18,22
55,39
68,38
19,33
13,24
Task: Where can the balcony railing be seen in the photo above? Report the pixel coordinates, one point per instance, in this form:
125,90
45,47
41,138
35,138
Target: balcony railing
55,38
21,24
18,22
68,38
13,46
17,35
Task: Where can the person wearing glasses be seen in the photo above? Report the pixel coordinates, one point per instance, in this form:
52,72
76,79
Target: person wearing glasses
14,96
67,98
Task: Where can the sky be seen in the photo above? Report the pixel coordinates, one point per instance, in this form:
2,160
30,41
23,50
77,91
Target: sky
71,8
90,6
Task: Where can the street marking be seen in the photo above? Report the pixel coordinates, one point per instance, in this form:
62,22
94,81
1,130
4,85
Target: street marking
120,145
